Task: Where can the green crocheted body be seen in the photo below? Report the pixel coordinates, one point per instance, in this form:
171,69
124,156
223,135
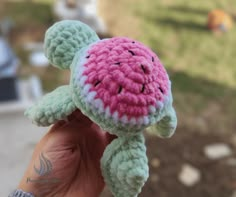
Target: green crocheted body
54,106
98,116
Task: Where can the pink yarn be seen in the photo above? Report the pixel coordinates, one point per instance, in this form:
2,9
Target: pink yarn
127,76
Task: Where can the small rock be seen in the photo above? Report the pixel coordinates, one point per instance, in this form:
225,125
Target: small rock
155,162
234,194
189,175
231,162
233,140
217,151
154,178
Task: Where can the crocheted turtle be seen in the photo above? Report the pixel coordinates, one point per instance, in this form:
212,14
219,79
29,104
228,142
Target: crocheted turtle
118,83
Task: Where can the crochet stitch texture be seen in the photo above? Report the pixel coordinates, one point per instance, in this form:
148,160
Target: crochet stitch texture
118,83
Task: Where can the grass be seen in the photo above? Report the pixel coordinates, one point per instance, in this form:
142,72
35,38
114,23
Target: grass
176,30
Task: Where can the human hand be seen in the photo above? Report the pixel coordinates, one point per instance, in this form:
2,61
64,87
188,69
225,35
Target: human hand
66,161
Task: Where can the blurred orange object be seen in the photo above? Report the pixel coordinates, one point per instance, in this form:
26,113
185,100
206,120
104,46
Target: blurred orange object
218,20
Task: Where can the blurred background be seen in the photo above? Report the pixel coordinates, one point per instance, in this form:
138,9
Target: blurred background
196,42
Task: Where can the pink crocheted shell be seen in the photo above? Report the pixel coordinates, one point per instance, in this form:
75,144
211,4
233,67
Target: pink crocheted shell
123,79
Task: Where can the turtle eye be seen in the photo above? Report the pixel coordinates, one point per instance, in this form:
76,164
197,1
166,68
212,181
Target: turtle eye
88,56
117,63
152,59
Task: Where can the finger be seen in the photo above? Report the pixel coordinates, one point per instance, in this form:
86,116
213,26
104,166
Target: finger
110,137
58,124
73,122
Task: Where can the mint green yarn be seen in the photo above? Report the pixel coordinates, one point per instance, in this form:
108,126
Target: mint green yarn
54,106
167,124
166,127
125,166
64,39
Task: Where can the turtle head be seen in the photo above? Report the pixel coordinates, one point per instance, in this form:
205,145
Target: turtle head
64,39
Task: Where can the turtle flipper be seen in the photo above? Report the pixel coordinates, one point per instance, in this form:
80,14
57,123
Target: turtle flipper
167,125
124,166
54,106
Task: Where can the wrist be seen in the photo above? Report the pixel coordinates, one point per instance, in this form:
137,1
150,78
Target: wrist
26,187
20,193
